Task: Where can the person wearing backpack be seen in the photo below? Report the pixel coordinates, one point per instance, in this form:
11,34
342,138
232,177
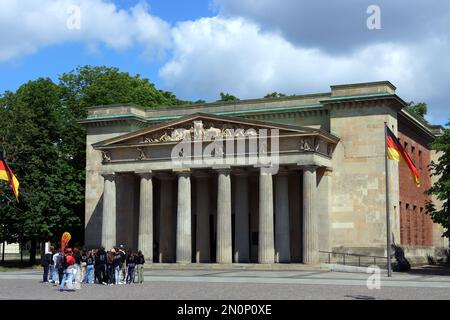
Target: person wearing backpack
69,269
100,265
58,258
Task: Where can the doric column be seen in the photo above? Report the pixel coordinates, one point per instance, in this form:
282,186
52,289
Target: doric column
166,220
282,235
224,243
109,210
184,241
202,239
310,232
145,237
241,223
266,251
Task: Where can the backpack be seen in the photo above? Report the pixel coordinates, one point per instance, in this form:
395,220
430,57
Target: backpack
59,264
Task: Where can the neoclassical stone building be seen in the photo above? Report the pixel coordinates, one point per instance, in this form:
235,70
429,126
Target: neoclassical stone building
260,181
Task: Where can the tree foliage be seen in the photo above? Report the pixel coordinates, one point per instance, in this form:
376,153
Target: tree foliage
227,97
274,95
417,109
45,147
441,189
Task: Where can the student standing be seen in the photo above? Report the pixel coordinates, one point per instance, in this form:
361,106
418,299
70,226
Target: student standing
84,257
123,269
117,265
77,268
100,265
131,264
52,266
140,260
46,261
89,277
59,266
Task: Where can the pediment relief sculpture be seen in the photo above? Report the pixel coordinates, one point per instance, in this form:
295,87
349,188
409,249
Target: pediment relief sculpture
142,154
315,144
106,156
199,130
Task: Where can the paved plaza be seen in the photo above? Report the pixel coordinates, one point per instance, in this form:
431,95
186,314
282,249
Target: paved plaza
236,285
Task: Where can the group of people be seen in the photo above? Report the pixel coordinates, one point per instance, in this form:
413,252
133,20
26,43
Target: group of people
73,267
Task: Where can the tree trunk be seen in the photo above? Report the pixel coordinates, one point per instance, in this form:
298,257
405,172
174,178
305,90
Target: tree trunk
33,252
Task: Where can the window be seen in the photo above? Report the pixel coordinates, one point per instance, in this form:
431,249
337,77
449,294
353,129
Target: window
412,149
420,159
407,206
406,145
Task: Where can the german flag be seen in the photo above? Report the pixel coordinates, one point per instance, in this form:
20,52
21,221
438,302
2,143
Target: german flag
396,152
7,175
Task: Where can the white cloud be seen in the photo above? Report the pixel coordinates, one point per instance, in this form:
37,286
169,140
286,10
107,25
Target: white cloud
246,51
234,55
214,54
27,25
340,26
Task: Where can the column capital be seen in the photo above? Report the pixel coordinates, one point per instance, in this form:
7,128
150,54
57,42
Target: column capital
108,175
144,174
182,172
310,168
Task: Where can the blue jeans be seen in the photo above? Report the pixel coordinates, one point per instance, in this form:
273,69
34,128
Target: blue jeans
117,274
89,276
56,275
77,274
68,277
52,270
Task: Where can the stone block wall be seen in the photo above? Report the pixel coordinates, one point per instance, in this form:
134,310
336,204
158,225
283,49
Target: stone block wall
358,200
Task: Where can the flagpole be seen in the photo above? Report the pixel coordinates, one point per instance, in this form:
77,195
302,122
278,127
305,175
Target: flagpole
388,206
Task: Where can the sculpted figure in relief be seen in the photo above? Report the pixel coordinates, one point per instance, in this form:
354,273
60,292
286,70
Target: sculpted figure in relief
106,156
142,155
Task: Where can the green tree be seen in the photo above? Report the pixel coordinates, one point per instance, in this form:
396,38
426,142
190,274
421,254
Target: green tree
227,97
274,95
441,189
35,149
45,147
417,109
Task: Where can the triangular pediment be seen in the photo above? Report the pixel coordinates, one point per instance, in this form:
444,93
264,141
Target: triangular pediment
201,126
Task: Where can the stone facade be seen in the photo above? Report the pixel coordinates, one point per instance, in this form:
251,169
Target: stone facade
326,191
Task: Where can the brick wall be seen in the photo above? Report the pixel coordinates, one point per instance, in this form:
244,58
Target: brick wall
416,227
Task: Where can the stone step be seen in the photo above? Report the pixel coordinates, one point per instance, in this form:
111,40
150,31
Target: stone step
234,266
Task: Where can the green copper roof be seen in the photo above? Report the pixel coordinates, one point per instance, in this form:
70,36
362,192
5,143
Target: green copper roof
237,112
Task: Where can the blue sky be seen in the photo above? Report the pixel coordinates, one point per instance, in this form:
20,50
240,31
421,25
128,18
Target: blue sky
248,48
54,60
